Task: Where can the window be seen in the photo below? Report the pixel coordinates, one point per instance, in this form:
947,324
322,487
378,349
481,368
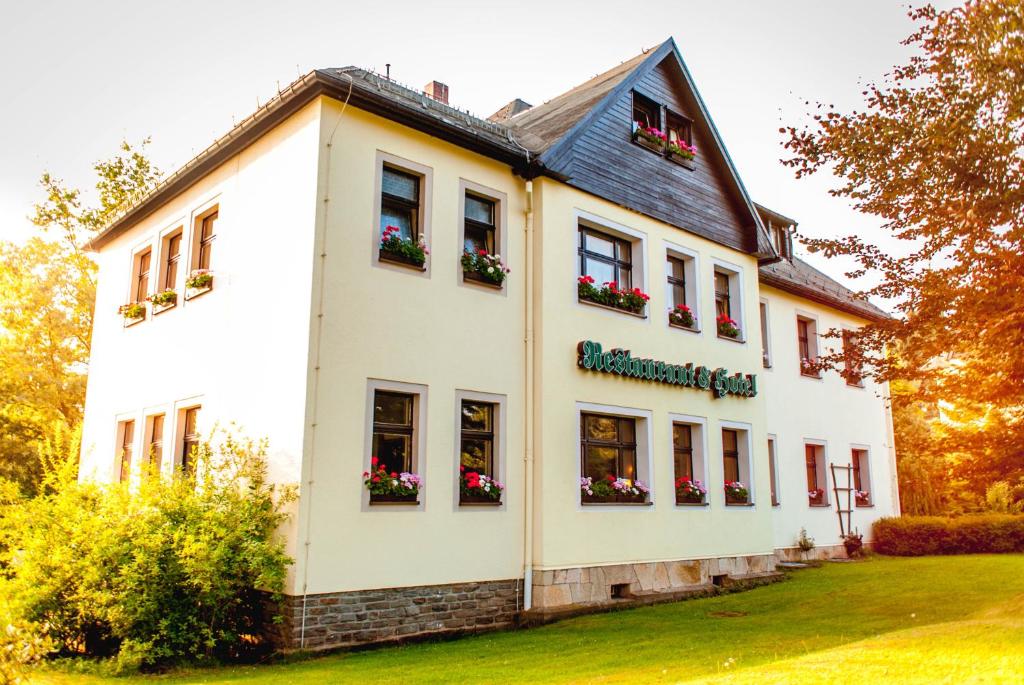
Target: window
817,481
155,451
861,476
766,357
393,430
783,241
646,111
190,440
682,450
207,234
142,266
773,475
679,128
730,455
736,462
480,231
400,203
605,258
681,286
676,269
127,431
853,368
477,439
807,340
172,256
723,304
609,446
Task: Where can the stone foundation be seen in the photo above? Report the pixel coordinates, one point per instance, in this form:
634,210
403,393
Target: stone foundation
349,619
820,553
597,584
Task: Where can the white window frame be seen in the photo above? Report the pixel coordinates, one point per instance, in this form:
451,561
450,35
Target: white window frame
178,415
426,175
865,474
821,465
746,462
500,403
767,358
163,238
644,452
419,420
149,413
638,253
136,253
119,425
699,442
691,273
812,341
773,468
500,200
737,304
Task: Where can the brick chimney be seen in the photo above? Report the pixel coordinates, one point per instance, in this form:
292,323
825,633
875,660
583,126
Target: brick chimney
437,90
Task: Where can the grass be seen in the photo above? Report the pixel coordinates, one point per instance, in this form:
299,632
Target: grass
929,619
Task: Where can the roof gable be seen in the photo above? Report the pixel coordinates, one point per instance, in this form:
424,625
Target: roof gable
580,138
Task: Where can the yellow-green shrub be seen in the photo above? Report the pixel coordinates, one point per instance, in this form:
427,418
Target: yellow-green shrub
163,571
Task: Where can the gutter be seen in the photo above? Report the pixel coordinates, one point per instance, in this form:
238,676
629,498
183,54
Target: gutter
529,389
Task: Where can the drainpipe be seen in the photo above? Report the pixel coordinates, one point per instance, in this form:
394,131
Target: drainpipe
529,408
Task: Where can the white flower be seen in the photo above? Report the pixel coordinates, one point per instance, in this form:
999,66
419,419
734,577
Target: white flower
490,269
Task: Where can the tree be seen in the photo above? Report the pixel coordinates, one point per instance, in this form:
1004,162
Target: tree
937,153
47,291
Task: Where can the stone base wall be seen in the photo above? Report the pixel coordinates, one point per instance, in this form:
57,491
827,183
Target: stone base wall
348,619
820,553
593,584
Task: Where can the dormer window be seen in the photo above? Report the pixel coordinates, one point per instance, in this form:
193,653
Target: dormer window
783,242
646,112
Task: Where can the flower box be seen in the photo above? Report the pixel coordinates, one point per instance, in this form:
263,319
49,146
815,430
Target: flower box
391,488
483,267
816,498
478,501
398,250
199,281
681,160
163,301
481,280
727,327
682,317
478,488
862,497
393,499
649,137
633,300
689,491
681,152
736,493
612,490
133,313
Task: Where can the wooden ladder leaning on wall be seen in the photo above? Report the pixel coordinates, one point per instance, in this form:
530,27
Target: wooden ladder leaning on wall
848,490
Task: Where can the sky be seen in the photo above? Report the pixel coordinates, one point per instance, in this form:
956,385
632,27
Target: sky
79,77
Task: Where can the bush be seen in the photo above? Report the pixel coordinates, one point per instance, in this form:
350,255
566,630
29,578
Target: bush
164,571
921,535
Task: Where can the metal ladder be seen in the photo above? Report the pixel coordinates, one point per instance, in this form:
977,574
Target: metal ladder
836,489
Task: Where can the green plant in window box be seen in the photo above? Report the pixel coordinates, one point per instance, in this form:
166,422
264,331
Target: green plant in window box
682,149
816,496
393,245
613,490
390,487
132,310
163,299
632,300
736,493
727,327
485,265
681,316
477,488
199,279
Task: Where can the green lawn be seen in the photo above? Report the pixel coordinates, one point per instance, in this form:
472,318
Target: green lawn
934,619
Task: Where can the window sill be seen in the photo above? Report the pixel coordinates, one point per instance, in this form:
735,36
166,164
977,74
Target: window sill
617,504
612,309
864,506
739,504
859,386
193,293
812,376
389,258
739,340
819,506
692,504
476,279
656,148
681,161
689,329
776,504
128,323
492,503
390,500
161,308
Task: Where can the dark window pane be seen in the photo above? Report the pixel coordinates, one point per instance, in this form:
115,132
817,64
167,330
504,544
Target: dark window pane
405,186
732,469
392,451
392,408
477,416
627,431
403,218
602,428
729,440
479,210
478,238
601,462
477,454
681,436
678,295
676,268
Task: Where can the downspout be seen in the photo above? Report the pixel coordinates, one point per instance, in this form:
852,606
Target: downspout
529,409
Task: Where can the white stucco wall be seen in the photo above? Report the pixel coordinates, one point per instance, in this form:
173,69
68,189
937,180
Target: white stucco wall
825,410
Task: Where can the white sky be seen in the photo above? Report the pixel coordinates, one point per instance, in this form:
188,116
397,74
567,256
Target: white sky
77,77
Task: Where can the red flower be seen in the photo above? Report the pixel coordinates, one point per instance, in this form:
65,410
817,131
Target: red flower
376,479
482,253
373,460
366,474
462,468
610,478
394,475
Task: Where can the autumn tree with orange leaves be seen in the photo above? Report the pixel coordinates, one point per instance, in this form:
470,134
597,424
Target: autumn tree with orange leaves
937,153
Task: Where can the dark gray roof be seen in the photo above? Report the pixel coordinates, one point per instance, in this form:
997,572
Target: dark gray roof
802,279
544,125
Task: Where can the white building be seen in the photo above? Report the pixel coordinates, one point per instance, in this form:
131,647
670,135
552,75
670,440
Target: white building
338,351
